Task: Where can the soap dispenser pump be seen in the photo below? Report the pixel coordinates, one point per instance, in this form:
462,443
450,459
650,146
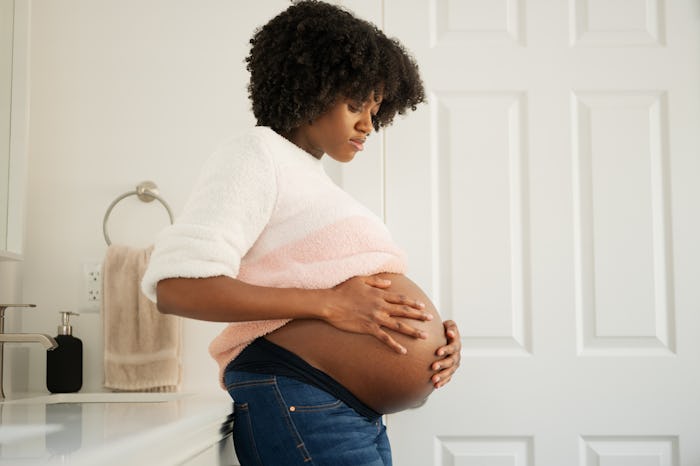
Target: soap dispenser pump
64,365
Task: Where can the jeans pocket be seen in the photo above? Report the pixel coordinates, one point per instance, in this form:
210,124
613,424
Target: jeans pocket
237,384
263,432
302,397
243,437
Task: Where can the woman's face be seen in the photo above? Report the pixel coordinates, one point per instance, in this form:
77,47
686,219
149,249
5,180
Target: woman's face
340,132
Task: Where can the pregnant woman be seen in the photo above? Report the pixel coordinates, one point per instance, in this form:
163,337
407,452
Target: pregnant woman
325,332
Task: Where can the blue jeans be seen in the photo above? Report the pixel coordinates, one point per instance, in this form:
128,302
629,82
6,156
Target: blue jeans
279,421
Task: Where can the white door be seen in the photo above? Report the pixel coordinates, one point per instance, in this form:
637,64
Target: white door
548,198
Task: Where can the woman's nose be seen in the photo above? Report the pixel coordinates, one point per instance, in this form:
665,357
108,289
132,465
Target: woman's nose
365,123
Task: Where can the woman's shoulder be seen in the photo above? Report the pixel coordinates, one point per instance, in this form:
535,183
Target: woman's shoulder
245,149
261,141
282,152
251,141
263,152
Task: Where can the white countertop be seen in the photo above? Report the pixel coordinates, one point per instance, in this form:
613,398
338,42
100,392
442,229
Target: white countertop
94,429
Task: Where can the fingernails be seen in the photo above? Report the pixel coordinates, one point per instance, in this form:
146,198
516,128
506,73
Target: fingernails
420,304
429,317
436,367
441,353
424,335
403,350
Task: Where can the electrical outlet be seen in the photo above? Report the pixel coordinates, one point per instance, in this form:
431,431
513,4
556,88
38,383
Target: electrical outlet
92,286
93,295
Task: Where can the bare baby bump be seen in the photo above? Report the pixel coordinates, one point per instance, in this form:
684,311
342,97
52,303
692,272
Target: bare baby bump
377,375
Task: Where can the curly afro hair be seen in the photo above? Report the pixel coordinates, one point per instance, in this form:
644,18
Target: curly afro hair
312,53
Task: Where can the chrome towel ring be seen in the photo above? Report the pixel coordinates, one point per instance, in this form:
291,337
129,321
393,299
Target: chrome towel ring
146,191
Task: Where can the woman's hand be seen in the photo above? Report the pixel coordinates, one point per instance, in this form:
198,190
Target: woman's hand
362,305
446,367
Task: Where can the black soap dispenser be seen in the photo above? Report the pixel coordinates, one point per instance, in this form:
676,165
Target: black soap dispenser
64,364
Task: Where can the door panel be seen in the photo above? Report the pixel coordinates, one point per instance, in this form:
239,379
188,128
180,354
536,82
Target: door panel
547,197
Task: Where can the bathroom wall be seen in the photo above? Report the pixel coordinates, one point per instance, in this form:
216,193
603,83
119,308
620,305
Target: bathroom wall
9,282
123,92
15,374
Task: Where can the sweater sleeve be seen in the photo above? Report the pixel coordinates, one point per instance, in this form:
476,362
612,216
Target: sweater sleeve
228,209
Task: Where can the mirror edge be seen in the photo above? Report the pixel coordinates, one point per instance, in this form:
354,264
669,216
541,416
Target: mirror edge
19,133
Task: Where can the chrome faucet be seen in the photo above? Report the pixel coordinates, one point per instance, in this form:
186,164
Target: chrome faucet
48,342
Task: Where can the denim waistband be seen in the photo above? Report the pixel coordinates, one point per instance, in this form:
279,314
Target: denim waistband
265,357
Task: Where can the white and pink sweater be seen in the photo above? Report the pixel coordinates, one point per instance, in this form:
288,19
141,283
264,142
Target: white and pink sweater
265,212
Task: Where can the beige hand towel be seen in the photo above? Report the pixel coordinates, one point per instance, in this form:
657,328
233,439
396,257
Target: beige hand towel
142,346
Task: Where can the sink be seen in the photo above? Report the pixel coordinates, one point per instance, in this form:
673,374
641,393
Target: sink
99,397
17,433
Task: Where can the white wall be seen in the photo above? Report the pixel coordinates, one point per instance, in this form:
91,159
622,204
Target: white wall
15,370
123,92
11,291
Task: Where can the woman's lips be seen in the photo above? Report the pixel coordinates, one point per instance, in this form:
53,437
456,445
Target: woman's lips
359,144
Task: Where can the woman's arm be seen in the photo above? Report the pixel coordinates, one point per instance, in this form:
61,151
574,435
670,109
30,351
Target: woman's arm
358,305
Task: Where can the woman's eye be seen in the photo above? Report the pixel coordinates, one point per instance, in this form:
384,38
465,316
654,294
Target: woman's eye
355,108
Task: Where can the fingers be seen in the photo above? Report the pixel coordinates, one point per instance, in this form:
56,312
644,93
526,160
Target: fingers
407,330
394,298
407,308
400,327
440,381
387,340
408,313
369,307
449,350
451,330
446,367
454,342
444,364
405,301
377,282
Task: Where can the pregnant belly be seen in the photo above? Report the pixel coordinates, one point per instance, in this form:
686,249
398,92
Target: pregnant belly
381,378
